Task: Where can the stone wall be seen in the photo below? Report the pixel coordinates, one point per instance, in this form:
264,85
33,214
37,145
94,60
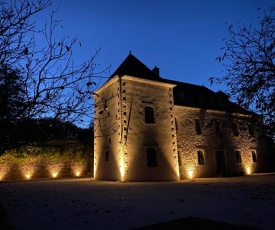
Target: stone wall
45,162
107,132
140,135
223,139
223,146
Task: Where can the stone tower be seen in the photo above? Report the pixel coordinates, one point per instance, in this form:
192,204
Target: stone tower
134,138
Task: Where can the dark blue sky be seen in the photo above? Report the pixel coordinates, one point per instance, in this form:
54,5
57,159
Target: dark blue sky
181,37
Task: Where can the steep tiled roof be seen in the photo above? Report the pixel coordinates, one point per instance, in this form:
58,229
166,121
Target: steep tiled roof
133,67
184,93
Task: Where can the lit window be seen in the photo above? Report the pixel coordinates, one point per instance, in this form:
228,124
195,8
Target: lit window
149,115
198,126
238,156
217,126
107,156
235,129
254,156
200,158
151,157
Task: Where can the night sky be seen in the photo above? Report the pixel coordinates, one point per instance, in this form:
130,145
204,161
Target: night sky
182,38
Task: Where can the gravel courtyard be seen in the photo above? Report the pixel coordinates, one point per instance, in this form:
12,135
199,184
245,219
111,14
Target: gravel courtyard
84,203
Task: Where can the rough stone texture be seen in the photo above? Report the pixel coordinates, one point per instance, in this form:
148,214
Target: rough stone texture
21,171
209,142
107,133
121,131
130,136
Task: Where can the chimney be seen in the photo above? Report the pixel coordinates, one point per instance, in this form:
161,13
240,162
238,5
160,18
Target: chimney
156,71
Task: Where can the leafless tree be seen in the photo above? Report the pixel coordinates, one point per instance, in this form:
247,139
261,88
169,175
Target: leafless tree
51,83
249,63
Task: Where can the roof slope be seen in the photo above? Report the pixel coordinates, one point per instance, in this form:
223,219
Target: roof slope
184,93
133,67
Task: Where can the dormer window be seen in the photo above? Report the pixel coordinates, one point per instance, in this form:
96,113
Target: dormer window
149,115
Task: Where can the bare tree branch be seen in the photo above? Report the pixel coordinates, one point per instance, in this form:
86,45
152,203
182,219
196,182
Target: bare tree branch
51,83
249,63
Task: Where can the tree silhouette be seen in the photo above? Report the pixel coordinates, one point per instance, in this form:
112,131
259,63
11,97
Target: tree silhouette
12,95
40,82
12,103
249,63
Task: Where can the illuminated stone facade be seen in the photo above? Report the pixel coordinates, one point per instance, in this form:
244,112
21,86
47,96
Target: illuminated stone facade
148,128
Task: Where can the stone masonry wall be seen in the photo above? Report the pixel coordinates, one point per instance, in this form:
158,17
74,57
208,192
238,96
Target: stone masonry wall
210,140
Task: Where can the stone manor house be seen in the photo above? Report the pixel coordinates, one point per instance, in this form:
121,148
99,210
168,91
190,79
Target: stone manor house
148,128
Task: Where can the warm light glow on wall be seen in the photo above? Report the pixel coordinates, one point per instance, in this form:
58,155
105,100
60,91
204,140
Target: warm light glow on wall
121,165
178,173
190,173
248,167
4,169
28,176
55,168
27,170
248,170
122,171
54,174
95,170
77,169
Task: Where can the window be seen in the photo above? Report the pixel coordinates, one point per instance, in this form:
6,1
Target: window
254,156
151,157
200,158
250,130
107,156
198,126
235,129
149,115
217,126
238,156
